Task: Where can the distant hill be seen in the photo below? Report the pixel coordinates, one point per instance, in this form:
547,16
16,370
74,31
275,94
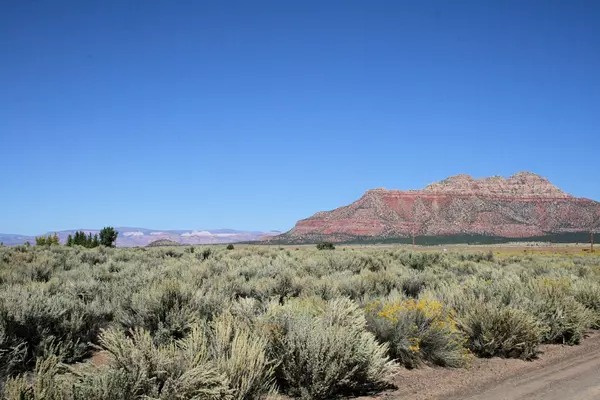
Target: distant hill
131,237
162,242
12,239
456,209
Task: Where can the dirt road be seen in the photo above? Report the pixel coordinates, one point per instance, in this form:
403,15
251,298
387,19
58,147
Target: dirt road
576,378
561,373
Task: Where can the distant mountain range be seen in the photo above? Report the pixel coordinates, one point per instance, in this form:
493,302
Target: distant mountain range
131,237
456,209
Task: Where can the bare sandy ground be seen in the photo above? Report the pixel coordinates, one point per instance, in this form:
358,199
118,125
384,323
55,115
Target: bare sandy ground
561,372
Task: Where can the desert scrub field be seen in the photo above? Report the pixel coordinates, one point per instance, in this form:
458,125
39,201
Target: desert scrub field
212,323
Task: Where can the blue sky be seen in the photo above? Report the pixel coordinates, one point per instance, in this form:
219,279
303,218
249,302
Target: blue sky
254,114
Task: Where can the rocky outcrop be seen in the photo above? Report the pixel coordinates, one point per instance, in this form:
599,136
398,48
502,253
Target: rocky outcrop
523,205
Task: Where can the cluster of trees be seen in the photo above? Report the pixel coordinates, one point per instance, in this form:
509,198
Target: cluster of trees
49,240
107,237
80,239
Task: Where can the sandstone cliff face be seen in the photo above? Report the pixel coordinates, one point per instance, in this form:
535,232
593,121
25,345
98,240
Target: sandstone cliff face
522,205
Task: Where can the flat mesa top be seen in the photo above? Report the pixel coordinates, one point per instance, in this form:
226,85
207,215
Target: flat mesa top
522,184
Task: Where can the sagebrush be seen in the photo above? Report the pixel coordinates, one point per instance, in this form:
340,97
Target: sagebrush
210,323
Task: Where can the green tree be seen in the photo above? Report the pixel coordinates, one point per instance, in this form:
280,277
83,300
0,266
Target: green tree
96,241
69,240
40,240
77,239
108,236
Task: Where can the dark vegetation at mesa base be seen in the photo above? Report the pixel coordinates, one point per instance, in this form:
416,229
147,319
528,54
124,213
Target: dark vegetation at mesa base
211,323
565,237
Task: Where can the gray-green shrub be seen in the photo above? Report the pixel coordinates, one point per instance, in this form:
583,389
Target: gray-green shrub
495,330
324,349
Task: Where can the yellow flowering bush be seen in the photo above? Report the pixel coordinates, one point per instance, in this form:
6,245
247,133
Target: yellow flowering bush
417,331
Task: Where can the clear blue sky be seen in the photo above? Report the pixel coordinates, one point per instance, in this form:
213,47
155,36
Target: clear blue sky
254,114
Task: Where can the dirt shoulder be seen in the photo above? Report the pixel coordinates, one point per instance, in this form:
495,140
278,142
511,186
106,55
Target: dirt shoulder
561,372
